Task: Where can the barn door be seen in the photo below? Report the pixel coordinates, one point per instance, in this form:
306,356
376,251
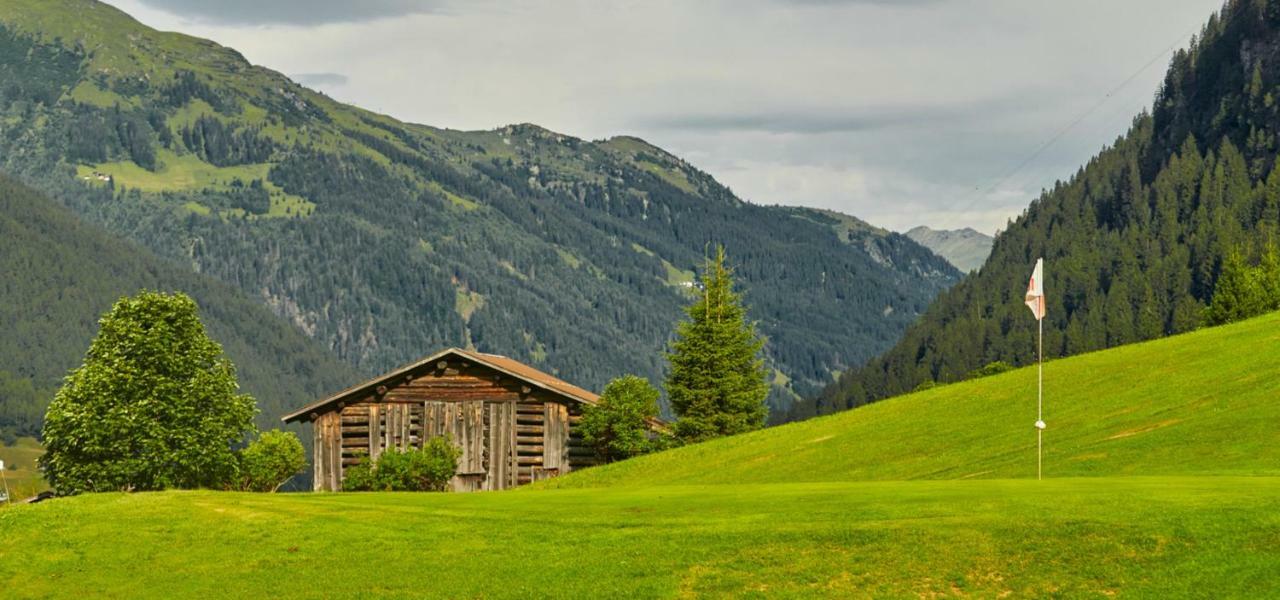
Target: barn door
463,422
555,457
502,446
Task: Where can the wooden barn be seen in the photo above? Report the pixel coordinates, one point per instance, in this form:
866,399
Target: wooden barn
514,423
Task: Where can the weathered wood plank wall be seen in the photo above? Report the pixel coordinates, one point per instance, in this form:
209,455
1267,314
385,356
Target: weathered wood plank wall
509,433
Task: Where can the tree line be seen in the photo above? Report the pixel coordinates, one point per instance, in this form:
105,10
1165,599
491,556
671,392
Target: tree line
156,405
61,274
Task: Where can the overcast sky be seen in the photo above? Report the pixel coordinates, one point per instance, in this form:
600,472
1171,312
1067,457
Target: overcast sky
900,112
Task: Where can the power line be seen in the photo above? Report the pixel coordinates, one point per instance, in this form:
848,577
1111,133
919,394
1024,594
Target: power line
981,193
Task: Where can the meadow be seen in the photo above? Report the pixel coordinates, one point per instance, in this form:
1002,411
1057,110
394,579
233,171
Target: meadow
1163,480
1199,403
1085,537
20,468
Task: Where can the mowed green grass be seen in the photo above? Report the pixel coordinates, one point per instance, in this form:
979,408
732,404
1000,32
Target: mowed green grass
21,473
1163,482
1206,402
1085,537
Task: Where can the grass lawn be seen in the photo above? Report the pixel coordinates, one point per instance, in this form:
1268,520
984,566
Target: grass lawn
1164,482
1144,537
24,481
1206,402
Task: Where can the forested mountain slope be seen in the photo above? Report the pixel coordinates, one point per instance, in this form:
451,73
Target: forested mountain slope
1133,242
61,274
385,240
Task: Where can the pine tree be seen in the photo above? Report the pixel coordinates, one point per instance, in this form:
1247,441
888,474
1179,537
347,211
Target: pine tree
1238,294
1269,277
717,380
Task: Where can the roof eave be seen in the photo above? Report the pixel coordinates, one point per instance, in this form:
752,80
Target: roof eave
372,384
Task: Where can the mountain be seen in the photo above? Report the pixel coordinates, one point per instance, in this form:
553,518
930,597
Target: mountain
61,275
1134,242
966,249
385,240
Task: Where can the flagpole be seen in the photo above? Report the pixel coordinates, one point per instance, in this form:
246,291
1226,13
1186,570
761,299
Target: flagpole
1035,301
7,499
1040,403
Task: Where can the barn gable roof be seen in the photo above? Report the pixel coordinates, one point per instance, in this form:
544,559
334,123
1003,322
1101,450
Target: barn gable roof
514,368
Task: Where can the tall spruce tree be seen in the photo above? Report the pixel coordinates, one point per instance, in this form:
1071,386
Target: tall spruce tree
717,380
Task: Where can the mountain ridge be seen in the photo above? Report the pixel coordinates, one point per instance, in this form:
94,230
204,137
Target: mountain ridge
966,248
385,240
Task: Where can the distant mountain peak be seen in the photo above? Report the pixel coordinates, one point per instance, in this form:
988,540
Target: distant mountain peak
965,248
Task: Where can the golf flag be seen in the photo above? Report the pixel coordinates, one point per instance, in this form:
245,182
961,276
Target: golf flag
1035,290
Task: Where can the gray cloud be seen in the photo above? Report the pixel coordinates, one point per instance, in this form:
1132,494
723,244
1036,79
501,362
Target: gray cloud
292,12
892,3
901,112
899,116
320,79
799,121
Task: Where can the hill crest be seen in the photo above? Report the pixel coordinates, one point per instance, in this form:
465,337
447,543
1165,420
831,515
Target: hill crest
386,240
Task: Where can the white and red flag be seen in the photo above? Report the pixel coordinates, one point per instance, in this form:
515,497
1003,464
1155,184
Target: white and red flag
1035,290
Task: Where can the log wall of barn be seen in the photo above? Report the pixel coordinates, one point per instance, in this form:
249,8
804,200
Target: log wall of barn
510,433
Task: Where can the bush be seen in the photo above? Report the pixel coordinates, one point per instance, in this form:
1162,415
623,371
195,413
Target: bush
359,477
617,428
417,470
270,461
927,384
991,368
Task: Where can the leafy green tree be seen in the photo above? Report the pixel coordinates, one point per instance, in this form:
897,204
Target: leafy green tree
154,406
270,461
618,427
717,380
426,469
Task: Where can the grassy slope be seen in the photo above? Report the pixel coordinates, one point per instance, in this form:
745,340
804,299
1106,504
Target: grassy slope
1204,402
24,481
787,517
1073,538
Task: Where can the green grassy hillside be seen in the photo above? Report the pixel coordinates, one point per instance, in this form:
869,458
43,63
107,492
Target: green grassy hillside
779,513
1099,537
1204,402
20,472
